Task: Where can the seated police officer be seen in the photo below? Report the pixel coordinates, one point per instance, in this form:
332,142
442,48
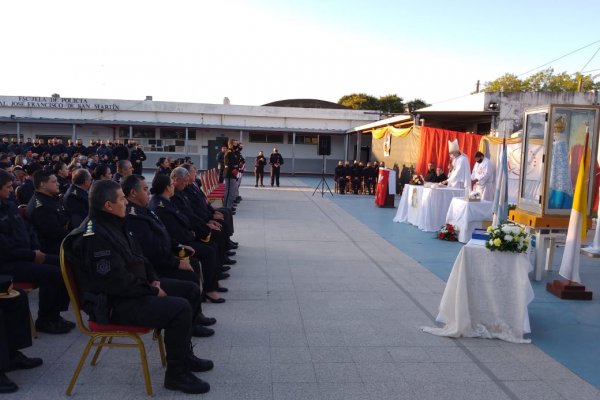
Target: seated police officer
20,256
179,229
202,225
76,198
157,245
15,334
46,214
119,286
198,199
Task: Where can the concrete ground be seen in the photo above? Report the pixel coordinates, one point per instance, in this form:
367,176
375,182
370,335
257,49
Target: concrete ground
320,307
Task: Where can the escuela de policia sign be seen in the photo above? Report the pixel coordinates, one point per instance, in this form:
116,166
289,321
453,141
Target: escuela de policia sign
57,102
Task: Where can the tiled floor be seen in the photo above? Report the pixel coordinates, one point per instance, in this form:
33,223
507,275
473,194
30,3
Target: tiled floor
320,307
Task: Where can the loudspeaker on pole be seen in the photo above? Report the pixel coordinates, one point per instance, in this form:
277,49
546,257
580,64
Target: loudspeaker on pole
324,145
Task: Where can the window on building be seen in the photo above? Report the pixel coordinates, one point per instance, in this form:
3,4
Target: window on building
177,133
266,137
303,138
138,133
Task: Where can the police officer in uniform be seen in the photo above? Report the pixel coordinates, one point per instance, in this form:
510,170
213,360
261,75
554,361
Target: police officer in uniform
179,228
276,161
15,334
119,286
158,247
46,214
355,175
340,177
20,256
137,158
76,198
230,174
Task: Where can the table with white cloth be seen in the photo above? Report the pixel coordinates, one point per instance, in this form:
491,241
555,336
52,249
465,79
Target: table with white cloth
468,215
425,207
486,295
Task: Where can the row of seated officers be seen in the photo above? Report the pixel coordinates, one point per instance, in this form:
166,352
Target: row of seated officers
357,176
138,259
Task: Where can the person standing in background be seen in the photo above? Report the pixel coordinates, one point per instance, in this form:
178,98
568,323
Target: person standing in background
276,161
259,168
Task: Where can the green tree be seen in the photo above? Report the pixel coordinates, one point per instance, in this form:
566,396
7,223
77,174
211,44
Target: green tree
544,80
417,104
359,101
391,103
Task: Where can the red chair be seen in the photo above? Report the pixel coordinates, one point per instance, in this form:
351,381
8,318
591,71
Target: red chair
102,335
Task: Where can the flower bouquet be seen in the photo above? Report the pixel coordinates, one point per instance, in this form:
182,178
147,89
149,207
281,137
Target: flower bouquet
507,237
415,180
448,232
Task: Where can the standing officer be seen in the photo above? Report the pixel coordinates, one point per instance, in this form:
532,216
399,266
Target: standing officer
46,214
259,168
120,287
230,174
20,256
137,158
275,161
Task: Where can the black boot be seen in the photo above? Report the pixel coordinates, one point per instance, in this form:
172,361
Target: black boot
6,385
195,364
179,377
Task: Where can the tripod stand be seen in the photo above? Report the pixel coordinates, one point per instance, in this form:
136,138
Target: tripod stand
323,182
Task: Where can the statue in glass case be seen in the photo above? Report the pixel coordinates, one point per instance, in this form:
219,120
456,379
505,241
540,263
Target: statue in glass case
561,187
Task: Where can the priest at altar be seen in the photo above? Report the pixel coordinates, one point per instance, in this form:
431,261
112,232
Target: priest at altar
460,176
483,177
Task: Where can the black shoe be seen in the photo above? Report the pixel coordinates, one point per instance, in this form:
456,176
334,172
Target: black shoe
223,276
222,289
262,185
238,199
229,261
20,361
196,364
232,246
202,319
232,242
232,212
53,327
225,268
230,253
255,185
67,322
185,382
216,301
202,331
6,385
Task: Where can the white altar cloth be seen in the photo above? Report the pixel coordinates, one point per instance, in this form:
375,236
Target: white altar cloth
424,207
486,296
468,215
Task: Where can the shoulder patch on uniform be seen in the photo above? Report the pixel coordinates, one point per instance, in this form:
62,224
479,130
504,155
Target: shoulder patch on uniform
89,229
103,266
132,211
38,203
161,204
101,253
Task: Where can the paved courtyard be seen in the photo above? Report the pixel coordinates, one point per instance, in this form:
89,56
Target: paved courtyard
320,307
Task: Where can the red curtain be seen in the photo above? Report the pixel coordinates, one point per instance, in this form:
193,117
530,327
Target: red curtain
434,147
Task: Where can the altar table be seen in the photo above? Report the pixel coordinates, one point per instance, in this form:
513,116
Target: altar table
425,207
468,215
486,295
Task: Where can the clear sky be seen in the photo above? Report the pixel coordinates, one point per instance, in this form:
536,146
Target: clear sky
258,51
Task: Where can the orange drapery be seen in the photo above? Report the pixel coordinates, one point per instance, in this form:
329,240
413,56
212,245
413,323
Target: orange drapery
434,147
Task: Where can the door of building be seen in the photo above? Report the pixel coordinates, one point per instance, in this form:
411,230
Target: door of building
214,147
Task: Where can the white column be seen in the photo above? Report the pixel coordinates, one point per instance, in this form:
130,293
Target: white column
130,132
18,131
185,146
358,145
74,133
346,143
293,153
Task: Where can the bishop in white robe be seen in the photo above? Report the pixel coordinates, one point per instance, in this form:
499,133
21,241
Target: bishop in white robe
460,176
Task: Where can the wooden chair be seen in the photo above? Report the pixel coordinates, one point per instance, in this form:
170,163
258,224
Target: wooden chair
102,335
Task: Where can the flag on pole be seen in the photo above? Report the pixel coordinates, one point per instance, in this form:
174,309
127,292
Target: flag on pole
500,205
569,267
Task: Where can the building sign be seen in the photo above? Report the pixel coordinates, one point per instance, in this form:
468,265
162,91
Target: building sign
56,103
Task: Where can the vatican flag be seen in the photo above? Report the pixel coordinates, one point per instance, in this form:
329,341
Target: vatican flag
569,267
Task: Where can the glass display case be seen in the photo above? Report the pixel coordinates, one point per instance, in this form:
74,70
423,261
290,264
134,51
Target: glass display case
553,145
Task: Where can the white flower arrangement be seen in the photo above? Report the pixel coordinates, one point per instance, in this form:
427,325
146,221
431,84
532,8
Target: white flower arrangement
508,237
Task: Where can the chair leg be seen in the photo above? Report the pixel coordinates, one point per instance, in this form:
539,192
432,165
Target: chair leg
34,333
144,361
161,347
98,349
86,351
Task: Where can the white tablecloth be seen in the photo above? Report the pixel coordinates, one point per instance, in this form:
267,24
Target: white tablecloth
424,207
468,215
486,296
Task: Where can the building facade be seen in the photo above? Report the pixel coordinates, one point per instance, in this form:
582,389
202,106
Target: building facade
171,129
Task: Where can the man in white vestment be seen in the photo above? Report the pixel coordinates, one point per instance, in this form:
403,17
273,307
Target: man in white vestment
483,177
460,176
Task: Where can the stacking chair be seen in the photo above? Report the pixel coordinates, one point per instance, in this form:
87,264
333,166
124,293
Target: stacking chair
102,335
28,287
